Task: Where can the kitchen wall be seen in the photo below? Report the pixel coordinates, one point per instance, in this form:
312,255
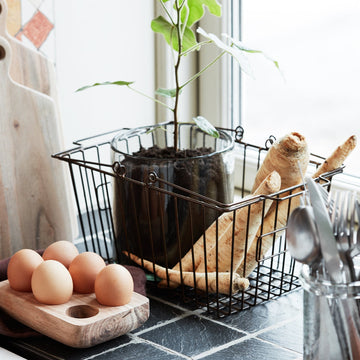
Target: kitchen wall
103,41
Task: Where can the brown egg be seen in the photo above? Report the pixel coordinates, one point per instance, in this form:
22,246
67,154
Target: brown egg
84,269
21,267
63,251
114,285
51,283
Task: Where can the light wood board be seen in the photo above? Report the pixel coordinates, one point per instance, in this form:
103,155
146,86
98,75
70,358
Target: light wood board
34,207
33,70
28,66
81,322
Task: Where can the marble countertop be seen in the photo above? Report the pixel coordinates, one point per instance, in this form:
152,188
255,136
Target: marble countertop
270,330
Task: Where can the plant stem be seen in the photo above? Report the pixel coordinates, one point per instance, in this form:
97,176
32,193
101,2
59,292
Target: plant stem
149,97
194,77
177,66
167,12
198,45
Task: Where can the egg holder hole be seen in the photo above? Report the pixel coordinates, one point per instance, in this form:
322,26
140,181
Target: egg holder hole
2,52
82,311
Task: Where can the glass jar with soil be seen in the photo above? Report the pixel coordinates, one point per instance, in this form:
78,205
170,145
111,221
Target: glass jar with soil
153,217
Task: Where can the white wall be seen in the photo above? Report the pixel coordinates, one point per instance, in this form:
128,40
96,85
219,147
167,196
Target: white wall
103,41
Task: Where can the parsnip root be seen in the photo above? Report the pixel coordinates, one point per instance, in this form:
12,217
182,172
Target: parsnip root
228,256
285,207
245,225
283,167
285,156
338,157
222,282
247,221
197,251
289,157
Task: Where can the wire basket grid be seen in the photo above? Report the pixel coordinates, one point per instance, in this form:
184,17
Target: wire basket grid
273,271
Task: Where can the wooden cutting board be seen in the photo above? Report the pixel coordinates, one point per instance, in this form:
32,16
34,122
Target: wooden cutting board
81,322
28,67
34,206
32,69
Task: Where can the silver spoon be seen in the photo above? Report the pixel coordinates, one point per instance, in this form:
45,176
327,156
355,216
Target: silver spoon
301,235
304,246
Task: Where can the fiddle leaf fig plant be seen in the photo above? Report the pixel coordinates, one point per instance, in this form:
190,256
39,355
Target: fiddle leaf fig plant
177,25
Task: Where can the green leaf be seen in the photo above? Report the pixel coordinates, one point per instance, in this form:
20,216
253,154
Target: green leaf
241,46
162,26
120,82
166,92
205,126
189,40
196,10
235,52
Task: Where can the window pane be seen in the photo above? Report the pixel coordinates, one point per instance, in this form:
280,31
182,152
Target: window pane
317,45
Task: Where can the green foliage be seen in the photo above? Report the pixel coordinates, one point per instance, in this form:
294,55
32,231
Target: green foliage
191,12
206,127
120,82
170,33
177,28
166,92
235,52
197,10
238,44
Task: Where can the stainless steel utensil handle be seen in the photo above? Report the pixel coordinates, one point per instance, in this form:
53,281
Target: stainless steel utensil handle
347,324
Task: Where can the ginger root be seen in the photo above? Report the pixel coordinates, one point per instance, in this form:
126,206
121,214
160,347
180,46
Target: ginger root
223,282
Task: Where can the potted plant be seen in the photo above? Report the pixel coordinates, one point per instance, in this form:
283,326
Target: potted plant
195,156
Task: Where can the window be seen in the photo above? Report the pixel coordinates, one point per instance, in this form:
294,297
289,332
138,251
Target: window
318,48
315,43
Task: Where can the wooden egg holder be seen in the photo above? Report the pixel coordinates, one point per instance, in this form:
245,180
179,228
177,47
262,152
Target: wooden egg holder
81,322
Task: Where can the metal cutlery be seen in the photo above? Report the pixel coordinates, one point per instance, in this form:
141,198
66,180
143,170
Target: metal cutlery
329,250
337,269
302,237
342,213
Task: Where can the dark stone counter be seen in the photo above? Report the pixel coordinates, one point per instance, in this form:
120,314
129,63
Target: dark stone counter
270,330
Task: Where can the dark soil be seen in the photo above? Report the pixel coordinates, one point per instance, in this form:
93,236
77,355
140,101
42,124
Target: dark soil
170,153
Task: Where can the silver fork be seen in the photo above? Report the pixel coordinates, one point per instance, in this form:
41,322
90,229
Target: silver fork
342,212
344,312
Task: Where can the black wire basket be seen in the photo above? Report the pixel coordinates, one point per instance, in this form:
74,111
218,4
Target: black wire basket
270,272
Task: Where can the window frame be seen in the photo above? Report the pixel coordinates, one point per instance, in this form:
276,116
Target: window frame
217,94
226,75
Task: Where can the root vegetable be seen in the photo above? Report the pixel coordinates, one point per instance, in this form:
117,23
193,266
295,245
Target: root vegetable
247,219
289,157
285,156
222,282
228,256
285,162
338,157
197,251
273,226
276,218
